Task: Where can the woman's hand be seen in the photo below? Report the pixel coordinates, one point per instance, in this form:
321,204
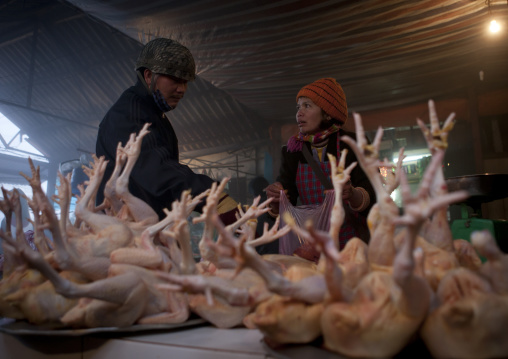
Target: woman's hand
347,191
273,191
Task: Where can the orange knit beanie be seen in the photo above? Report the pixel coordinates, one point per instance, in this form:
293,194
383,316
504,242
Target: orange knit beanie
327,94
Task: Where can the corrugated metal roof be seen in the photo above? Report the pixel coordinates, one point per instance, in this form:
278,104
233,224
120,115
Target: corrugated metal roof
384,52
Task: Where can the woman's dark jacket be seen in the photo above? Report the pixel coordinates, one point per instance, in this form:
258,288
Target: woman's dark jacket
289,168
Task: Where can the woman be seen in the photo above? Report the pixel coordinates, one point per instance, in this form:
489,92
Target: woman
321,113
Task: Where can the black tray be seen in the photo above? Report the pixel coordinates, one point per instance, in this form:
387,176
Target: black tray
482,188
20,327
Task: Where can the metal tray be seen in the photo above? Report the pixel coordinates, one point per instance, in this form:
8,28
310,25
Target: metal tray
20,327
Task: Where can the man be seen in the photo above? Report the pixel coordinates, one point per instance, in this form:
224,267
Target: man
164,68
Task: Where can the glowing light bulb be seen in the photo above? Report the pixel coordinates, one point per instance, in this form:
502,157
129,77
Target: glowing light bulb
494,26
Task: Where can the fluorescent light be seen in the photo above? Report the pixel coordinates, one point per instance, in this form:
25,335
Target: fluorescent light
410,158
494,26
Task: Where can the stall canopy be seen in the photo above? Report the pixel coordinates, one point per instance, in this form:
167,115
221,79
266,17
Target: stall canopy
64,63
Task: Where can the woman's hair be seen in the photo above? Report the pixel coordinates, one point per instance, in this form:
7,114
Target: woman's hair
327,123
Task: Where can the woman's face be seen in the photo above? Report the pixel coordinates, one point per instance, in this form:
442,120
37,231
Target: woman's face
309,116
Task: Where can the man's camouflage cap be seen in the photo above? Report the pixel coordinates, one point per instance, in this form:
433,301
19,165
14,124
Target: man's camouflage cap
169,57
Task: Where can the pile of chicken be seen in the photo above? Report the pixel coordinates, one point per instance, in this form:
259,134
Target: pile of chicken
119,265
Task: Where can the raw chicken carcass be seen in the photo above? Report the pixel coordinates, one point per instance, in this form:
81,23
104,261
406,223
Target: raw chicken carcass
283,320
41,304
65,254
25,293
294,314
441,252
224,296
17,277
471,317
67,288
128,295
221,298
386,309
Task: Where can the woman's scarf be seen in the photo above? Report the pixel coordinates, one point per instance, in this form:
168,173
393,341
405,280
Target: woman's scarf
295,143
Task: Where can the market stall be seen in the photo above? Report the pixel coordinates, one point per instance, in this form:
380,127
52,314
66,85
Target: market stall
412,290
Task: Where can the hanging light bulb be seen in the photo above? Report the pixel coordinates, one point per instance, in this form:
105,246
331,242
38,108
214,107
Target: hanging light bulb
494,26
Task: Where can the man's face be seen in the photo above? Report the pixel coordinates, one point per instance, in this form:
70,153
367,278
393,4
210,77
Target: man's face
172,88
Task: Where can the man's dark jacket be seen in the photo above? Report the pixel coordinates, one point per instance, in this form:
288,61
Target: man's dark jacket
157,178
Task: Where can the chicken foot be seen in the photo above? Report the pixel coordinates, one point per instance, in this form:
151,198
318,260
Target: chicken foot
310,289
340,176
437,230
381,249
11,205
139,209
67,259
96,221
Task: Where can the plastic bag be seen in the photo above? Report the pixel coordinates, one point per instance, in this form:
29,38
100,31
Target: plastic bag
319,214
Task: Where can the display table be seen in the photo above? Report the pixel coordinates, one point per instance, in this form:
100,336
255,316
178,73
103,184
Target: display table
196,342
203,342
